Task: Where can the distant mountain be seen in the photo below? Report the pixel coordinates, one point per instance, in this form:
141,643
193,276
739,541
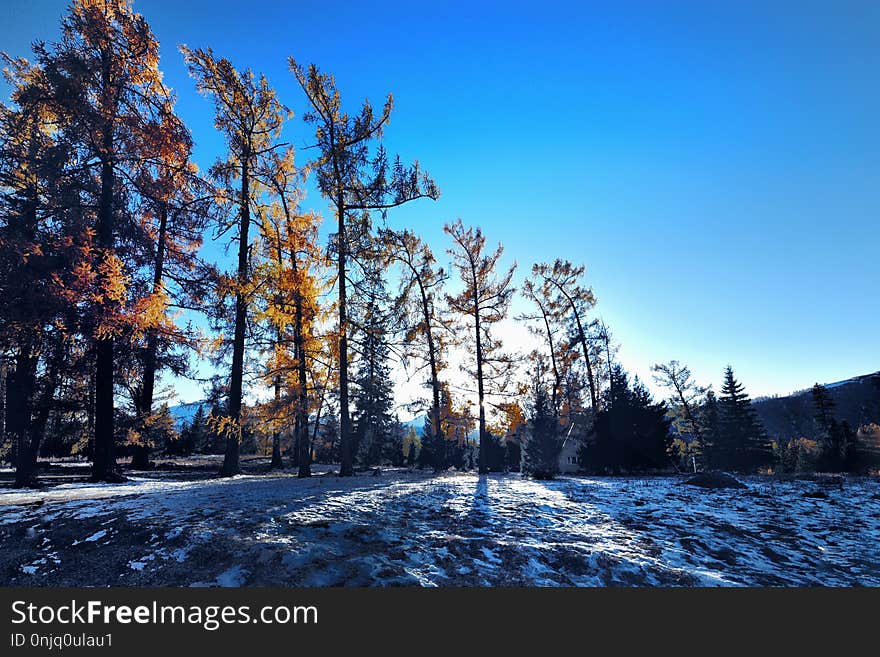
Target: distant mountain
856,400
417,423
184,413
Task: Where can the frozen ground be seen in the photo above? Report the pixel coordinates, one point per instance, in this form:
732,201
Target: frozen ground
411,528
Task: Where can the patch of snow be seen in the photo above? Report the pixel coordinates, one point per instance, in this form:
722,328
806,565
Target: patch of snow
233,577
98,535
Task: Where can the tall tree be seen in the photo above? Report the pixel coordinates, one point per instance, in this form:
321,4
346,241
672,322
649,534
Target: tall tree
289,297
373,388
547,330
34,249
838,442
108,91
176,206
485,299
355,182
741,443
823,407
575,300
249,116
420,283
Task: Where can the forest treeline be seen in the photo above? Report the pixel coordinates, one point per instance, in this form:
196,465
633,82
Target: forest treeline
102,219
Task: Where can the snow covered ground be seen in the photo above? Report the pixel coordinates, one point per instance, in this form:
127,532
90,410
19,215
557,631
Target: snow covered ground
412,528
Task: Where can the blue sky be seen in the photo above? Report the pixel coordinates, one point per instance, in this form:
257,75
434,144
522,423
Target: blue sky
715,165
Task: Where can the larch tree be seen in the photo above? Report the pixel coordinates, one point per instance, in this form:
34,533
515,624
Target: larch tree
175,209
575,300
485,300
289,298
109,94
250,117
686,395
356,179
548,330
421,282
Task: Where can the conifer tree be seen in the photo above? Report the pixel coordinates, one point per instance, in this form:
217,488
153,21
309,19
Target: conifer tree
741,443
250,117
355,181
110,99
35,258
420,284
289,298
572,299
823,407
548,330
631,432
175,209
838,442
686,397
194,436
374,393
485,300
541,451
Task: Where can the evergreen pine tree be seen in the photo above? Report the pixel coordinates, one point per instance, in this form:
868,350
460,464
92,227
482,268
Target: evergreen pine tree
823,408
541,451
428,457
838,442
374,394
829,434
741,443
631,432
199,436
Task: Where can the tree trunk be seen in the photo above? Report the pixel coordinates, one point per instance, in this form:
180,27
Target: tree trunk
594,400
346,466
440,460
3,387
104,463
20,396
302,416
317,424
557,382
277,461
231,463
141,456
44,405
690,416
484,441
90,417
24,383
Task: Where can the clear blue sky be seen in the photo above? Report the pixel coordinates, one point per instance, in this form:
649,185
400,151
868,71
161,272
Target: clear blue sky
715,165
